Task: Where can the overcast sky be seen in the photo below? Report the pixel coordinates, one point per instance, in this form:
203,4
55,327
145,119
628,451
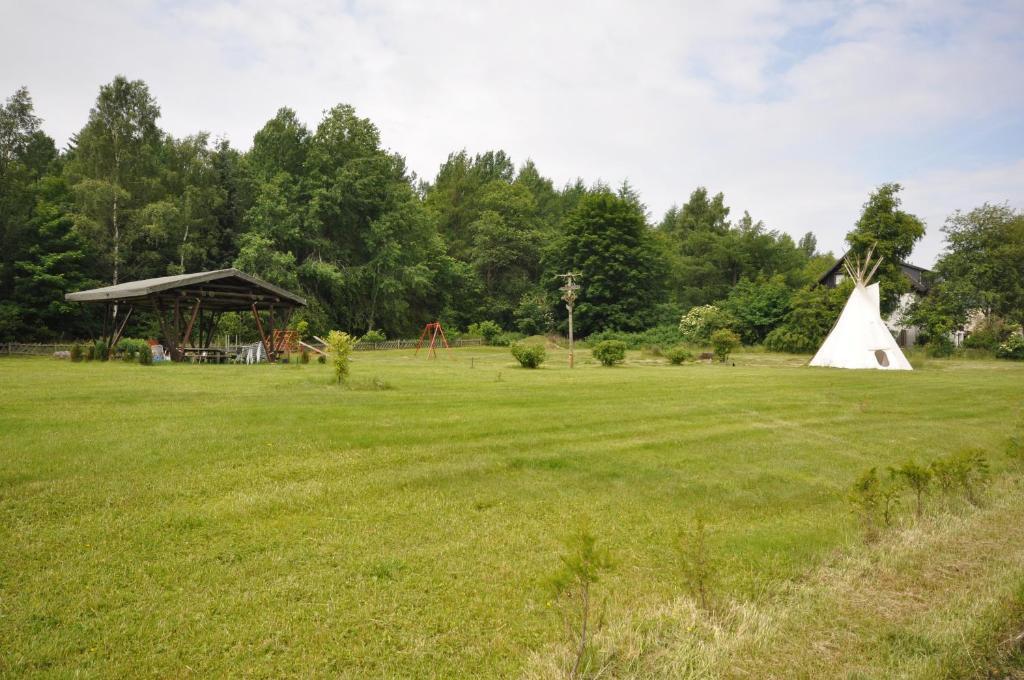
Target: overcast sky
794,110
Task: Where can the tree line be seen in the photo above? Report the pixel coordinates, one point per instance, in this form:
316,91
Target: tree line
330,213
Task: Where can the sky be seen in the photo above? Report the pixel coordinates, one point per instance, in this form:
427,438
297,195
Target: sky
794,110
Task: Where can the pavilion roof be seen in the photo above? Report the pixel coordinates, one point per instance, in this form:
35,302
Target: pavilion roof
225,289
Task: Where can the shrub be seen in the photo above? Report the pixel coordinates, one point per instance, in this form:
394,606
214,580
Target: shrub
965,472
1013,348
610,352
678,354
940,346
874,501
506,339
101,352
785,339
145,355
698,324
529,356
128,348
90,352
917,478
988,335
304,356
76,352
723,342
321,359
340,346
373,336
488,330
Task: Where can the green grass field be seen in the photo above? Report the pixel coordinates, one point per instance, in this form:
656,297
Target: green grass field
260,521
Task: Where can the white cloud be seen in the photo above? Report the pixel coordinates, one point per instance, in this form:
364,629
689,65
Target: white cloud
794,110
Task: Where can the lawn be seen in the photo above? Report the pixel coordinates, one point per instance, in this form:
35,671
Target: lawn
183,520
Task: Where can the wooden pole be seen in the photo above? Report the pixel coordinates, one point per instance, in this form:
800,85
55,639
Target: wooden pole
263,337
188,329
569,293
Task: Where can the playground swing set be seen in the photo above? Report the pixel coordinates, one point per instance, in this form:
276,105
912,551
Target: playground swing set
437,339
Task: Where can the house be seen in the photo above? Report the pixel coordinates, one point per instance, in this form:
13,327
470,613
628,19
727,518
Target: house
906,335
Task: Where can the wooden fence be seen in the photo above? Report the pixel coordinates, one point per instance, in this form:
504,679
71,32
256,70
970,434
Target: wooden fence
33,348
411,344
41,349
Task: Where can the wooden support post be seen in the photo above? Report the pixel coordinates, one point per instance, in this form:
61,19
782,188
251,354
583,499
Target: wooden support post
263,336
120,331
188,329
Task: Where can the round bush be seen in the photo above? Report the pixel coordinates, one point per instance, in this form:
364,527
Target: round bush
678,354
488,330
723,342
373,337
529,356
610,352
145,355
76,352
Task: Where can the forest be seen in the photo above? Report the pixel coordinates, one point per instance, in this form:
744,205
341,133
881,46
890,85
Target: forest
327,211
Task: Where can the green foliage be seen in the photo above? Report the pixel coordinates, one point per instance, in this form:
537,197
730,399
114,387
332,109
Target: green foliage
76,352
874,501
915,477
340,346
1013,348
321,359
373,337
506,339
100,351
723,342
939,346
533,315
302,329
813,312
678,355
145,355
707,255
757,307
609,352
582,565
128,349
529,356
981,266
965,472
606,238
304,356
892,233
697,562
488,330
651,339
698,324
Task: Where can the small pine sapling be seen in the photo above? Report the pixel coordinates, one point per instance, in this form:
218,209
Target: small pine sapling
697,562
866,498
582,566
917,478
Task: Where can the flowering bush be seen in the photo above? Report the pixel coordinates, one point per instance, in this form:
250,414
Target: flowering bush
699,323
1013,348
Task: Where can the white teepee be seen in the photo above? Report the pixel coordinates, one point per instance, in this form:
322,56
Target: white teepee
860,339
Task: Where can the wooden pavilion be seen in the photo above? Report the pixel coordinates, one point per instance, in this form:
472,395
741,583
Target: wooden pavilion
194,302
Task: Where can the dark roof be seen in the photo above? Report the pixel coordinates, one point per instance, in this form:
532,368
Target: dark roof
224,289
912,272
